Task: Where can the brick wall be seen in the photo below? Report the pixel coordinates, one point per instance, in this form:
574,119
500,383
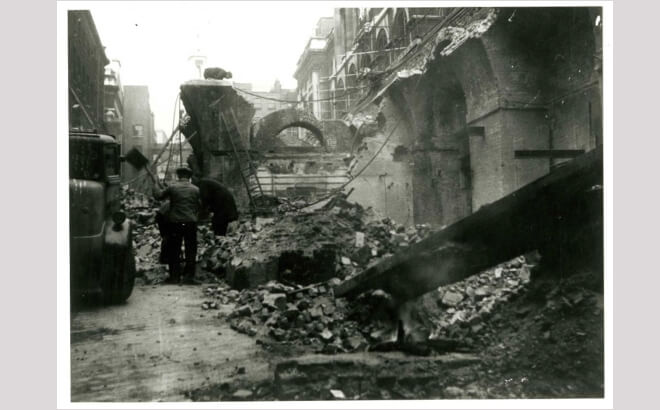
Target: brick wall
386,185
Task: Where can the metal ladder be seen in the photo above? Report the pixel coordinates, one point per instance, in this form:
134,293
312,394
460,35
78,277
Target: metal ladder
245,165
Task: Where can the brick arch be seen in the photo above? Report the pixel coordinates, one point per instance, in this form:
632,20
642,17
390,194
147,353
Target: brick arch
472,68
263,133
520,61
455,88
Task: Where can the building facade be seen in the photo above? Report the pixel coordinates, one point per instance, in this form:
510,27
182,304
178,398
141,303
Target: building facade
138,128
313,71
113,104
459,107
86,60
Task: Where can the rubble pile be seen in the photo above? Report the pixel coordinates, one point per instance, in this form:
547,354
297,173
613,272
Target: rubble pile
291,204
307,247
304,316
462,308
297,246
311,316
138,207
141,209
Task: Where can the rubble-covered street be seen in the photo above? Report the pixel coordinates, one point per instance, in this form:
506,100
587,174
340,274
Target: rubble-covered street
493,335
362,204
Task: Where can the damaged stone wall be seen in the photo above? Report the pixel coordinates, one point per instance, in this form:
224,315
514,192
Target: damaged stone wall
541,63
530,82
573,86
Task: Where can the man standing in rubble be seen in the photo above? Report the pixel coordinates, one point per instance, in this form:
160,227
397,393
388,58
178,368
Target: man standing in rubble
183,214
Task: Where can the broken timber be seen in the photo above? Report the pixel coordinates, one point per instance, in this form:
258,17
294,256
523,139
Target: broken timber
562,210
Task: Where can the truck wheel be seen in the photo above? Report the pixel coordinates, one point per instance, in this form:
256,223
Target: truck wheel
119,275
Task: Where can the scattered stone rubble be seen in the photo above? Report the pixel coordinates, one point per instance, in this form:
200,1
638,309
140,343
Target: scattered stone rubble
462,308
499,314
291,263
299,315
141,209
311,315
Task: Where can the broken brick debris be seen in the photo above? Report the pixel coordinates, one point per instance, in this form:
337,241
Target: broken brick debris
306,246
291,263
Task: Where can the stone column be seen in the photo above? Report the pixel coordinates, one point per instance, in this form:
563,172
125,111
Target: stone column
203,100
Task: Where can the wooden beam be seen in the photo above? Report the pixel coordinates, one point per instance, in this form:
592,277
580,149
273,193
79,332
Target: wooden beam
548,153
566,199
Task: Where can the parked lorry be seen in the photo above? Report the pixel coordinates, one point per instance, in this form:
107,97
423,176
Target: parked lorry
102,259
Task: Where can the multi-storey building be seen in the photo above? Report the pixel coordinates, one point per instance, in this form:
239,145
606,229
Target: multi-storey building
138,127
113,104
87,59
313,71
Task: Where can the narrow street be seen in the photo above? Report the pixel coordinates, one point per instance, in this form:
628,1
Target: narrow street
155,347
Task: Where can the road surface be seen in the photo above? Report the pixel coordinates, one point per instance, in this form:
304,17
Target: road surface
156,347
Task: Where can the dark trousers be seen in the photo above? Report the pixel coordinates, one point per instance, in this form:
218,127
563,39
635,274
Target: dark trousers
164,229
186,233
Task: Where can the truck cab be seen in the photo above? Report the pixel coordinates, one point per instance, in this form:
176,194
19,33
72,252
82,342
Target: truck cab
102,260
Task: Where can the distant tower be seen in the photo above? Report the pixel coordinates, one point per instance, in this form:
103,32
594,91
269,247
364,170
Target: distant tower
277,87
198,60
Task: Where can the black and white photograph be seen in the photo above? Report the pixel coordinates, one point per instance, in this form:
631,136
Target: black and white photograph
313,202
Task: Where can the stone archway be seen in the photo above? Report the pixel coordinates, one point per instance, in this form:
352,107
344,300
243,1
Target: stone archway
263,133
440,153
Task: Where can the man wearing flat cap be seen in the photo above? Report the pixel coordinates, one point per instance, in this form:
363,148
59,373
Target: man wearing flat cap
183,213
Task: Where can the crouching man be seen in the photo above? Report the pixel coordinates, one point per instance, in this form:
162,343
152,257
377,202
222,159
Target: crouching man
185,204
220,201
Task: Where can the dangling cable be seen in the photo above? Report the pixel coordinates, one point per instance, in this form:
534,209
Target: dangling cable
180,139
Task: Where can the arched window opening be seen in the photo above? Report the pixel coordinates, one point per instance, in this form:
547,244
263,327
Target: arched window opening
399,37
351,86
381,59
296,137
340,99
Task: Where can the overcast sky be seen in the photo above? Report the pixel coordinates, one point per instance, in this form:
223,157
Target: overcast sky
258,42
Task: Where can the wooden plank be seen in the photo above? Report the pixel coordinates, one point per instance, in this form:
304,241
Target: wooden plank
518,223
